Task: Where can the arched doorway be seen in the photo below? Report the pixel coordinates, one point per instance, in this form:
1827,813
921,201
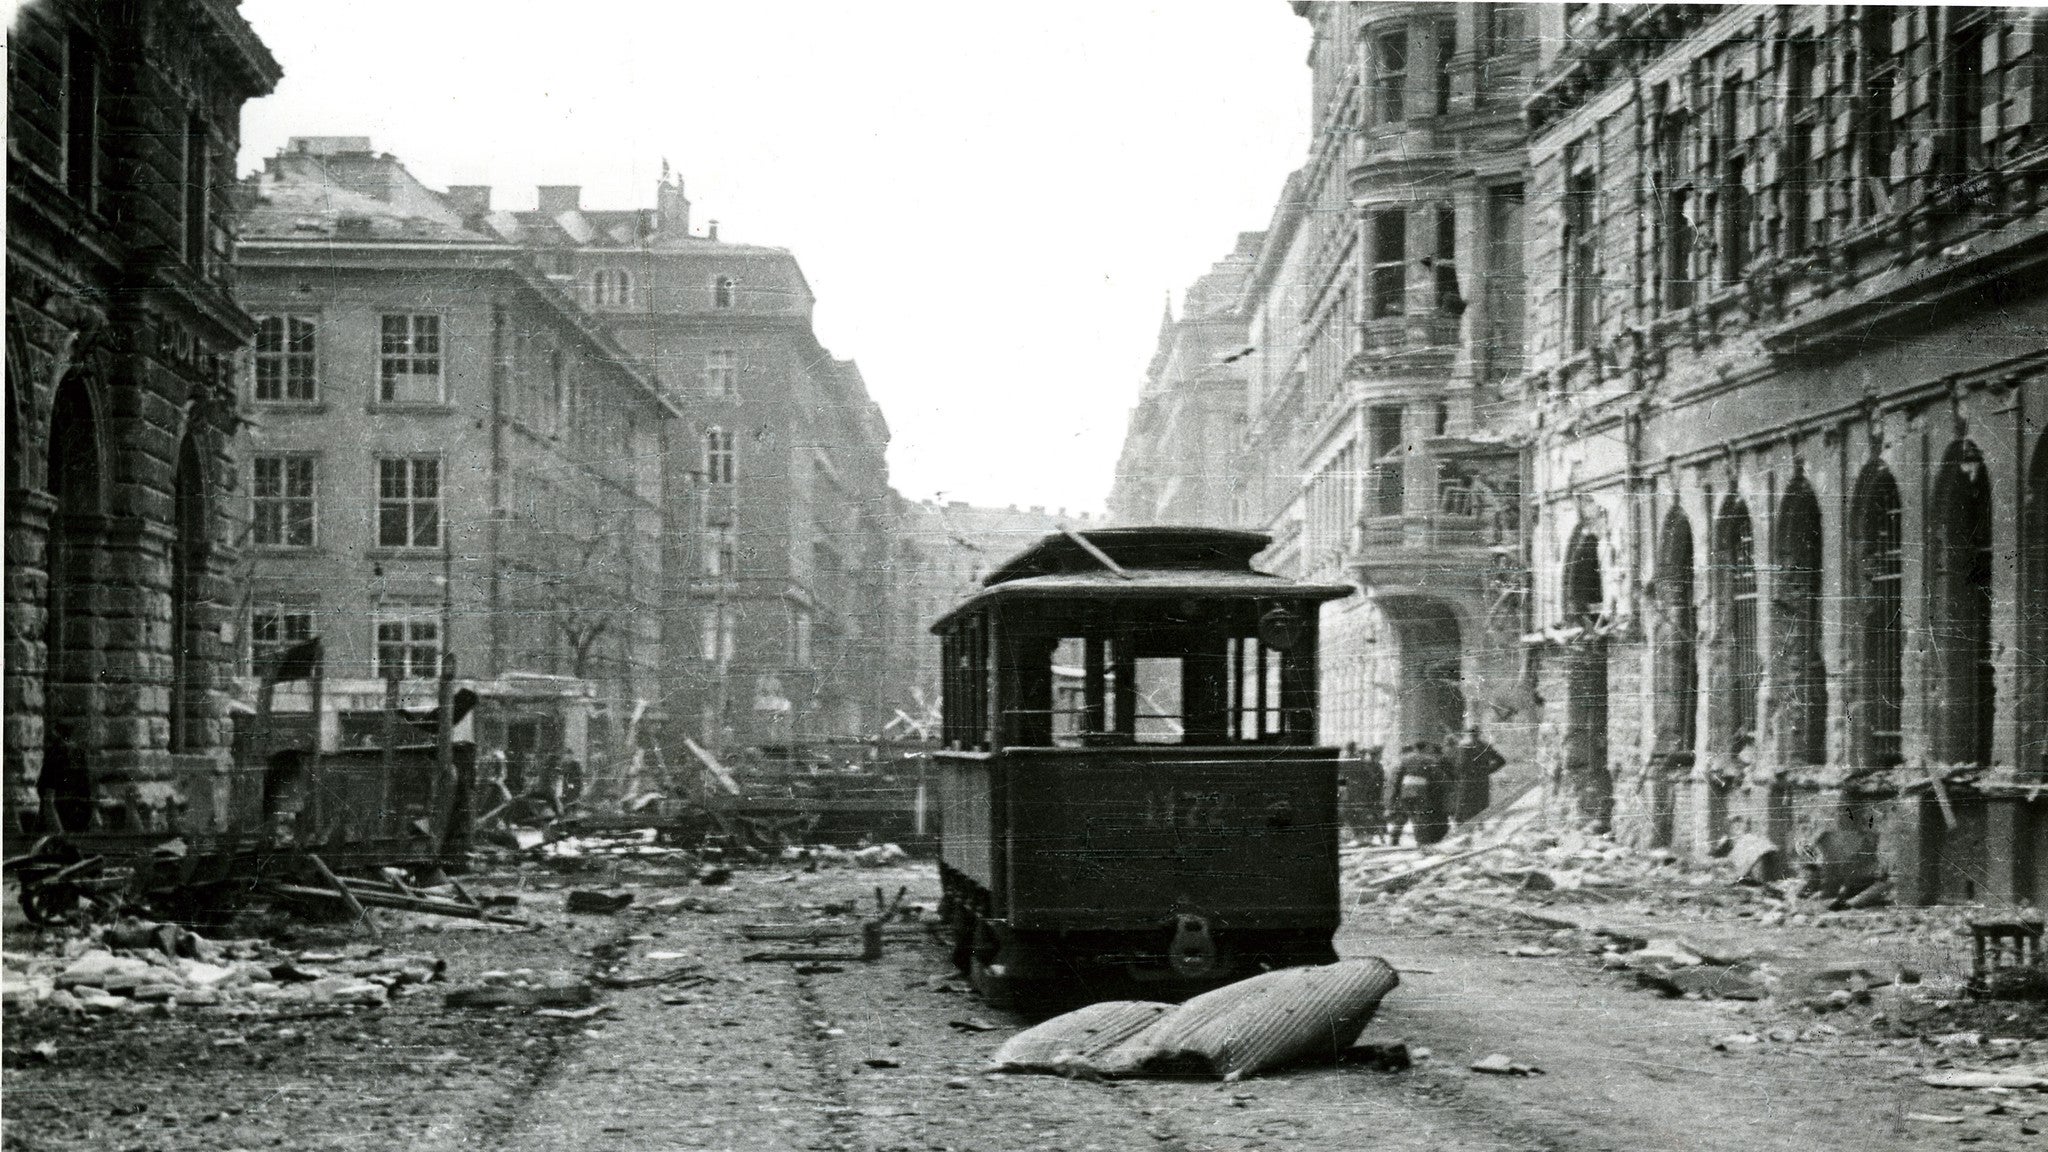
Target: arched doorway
1585,735
1962,699
1737,661
1676,681
69,669
1875,611
1798,670
2032,744
189,666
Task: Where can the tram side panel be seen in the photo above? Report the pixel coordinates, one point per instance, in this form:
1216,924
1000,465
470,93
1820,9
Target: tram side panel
967,812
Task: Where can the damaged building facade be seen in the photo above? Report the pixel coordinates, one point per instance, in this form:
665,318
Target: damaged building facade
122,126
1384,314
1787,398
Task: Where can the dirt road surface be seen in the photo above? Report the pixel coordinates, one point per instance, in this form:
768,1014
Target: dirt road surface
891,1054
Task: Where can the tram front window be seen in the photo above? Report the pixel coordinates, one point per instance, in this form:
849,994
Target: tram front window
1177,683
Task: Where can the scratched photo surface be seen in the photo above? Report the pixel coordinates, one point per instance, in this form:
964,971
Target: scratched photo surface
1084,577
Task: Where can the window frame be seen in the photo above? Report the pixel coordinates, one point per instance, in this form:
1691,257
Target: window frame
256,650
1390,85
721,379
284,357
412,502
409,619
411,357
1389,298
721,457
283,501
725,291
82,135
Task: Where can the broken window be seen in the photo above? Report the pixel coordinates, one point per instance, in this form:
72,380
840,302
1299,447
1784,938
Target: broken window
1876,613
1389,263
281,501
1959,609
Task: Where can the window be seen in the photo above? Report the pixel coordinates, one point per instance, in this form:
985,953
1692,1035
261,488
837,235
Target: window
1449,301
1880,75
1390,75
284,359
410,363
1676,224
612,287
1877,615
1579,255
718,456
1803,206
281,501
1389,263
721,372
1735,220
721,552
409,503
1446,47
799,638
81,119
1506,28
274,628
1389,460
198,163
724,292
1967,91
408,646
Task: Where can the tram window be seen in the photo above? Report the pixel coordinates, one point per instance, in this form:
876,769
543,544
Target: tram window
1158,718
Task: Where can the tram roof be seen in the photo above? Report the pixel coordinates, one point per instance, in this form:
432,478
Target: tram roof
1153,562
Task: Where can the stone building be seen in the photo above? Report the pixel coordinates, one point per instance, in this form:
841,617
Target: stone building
1385,314
1786,354
1179,462
122,126
783,551
448,455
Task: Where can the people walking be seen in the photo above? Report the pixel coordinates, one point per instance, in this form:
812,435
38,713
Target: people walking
1421,795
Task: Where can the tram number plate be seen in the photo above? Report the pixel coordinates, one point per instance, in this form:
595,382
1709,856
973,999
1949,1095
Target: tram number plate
1185,808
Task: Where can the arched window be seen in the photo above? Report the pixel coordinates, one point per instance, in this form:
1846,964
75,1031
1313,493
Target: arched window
1801,685
1876,615
720,465
2033,662
1959,609
724,292
1585,748
189,667
1738,662
1677,631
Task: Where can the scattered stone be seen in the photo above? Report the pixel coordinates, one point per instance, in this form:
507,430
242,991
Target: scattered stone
1496,1064
1391,1056
597,903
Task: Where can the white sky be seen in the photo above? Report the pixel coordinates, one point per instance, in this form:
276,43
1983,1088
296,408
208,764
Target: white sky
990,200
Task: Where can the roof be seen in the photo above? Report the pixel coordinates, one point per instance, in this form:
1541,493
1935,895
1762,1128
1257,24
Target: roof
1154,562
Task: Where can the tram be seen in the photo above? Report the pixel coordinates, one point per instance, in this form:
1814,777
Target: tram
1129,783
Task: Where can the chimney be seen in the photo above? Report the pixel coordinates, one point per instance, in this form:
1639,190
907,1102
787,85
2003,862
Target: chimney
556,199
470,199
714,230
672,208
329,145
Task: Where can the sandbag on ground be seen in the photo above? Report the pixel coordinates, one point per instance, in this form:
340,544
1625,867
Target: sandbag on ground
1239,1030
1266,1022
1077,1040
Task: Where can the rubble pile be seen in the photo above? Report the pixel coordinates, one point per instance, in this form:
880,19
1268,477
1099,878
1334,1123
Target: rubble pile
139,967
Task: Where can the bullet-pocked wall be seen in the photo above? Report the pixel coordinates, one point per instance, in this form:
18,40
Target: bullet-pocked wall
1787,354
